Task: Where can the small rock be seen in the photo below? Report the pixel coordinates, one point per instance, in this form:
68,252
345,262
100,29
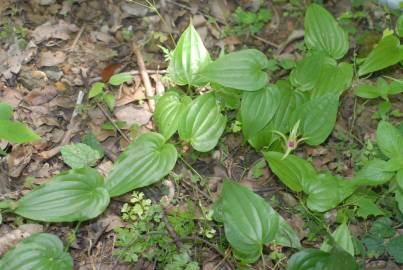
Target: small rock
134,9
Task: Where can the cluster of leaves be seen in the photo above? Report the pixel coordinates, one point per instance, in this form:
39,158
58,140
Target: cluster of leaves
248,23
304,106
147,238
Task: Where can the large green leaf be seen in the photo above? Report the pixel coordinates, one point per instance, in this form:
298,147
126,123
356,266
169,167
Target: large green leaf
314,259
40,251
243,70
327,191
79,155
307,71
144,162
387,53
322,32
317,118
295,172
389,140
249,221
16,132
342,237
76,195
188,59
202,124
6,111
373,174
258,108
168,110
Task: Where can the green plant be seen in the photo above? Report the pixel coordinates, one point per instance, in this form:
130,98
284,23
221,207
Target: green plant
248,23
12,131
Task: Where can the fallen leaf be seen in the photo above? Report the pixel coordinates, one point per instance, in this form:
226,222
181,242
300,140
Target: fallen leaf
18,159
132,115
41,96
48,58
61,30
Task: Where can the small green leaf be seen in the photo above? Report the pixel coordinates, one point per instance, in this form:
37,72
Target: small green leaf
79,155
367,91
202,123
16,132
322,32
293,171
230,98
90,140
76,195
399,199
366,208
168,110
373,174
375,246
120,78
243,70
399,26
317,118
189,58
389,140
382,228
6,111
144,162
395,248
96,89
40,251
342,237
249,221
258,108
110,100
387,53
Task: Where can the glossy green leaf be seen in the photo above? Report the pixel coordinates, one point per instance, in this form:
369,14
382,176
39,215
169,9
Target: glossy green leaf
367,207
144,162
317,118
333,79
314,259
120,78
243,70
322,32
249,221
399,26
373,174
388,52
389,140
96,89
6,111
342,237
168,110
202,123
293,171
286,236
79,155
395,248
189,58
229,97
395,87
258,108
16,132
327,191
40,251
76,195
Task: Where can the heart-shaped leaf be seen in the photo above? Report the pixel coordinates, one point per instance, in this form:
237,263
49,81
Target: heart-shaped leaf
293,171
16,132
258,108
243,70
389,140
40,251
343,238
168,110
249,221
189,58
202,124
144,162
317,118
76,195
388,52
322,32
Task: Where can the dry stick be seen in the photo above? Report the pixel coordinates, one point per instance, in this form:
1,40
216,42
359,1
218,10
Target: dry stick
77,38
268,42
144,76
107,115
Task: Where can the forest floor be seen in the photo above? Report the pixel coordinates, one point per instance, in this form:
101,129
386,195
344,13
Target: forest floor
51,50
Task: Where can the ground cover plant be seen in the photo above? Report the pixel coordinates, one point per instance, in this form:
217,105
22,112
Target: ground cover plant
210,98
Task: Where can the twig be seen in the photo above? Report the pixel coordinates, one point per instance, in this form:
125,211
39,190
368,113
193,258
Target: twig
268,42
107,115
144,76
295,35
77,38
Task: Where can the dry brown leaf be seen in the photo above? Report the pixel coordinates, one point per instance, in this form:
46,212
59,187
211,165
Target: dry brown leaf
48,58
61,30
41,96
18,159
132,115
